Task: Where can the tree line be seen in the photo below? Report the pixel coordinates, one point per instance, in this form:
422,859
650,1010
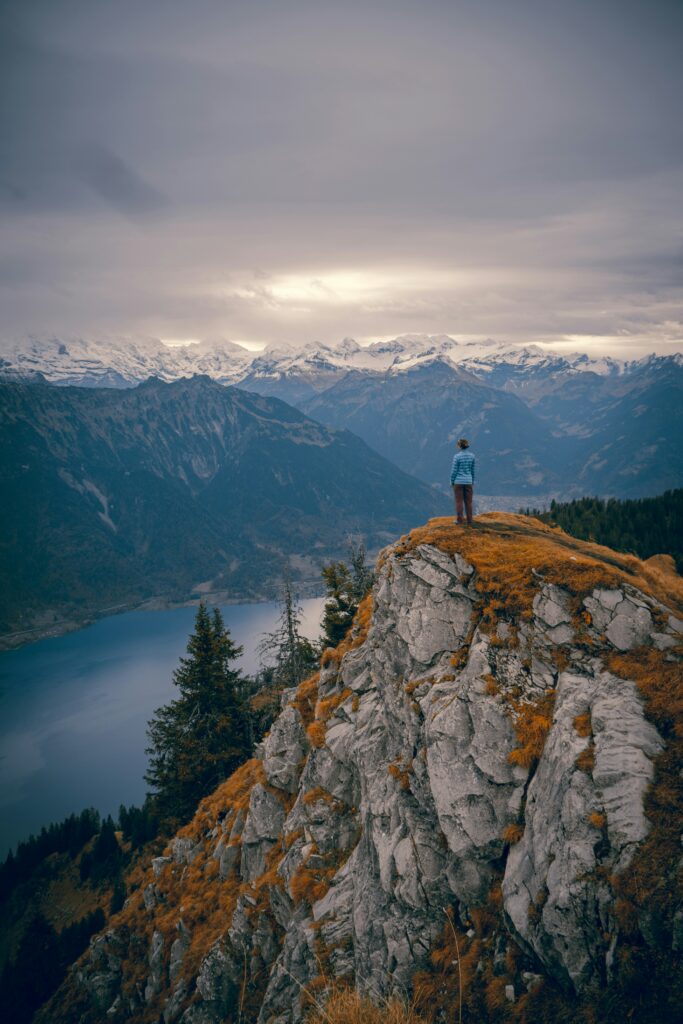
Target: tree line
638,526
41,962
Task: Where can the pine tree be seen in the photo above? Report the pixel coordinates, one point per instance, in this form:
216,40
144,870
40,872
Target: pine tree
346,587
118,895
201,737
362,577
341,603
289,655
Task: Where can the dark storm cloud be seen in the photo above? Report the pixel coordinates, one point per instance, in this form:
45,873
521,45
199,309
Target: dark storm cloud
474,166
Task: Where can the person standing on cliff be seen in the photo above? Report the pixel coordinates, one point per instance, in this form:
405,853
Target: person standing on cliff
462,480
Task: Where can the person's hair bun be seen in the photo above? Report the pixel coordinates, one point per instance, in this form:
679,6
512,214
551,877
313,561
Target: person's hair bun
463,443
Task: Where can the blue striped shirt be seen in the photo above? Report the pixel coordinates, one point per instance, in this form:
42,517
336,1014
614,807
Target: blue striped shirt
462,470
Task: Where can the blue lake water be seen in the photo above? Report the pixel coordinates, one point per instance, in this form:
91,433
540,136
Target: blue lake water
74,709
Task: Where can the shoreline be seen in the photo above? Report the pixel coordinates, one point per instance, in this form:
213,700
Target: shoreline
23,638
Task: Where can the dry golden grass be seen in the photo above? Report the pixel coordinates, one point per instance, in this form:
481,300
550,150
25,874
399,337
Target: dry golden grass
316,732
503,548
317,713
192,892
326,708
586,759
459,657
401,773
532,723
349,1007
306,698
583,725
310,883
491,688
513,833
318,793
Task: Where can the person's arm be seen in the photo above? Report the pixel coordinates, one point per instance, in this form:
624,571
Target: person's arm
454,468
473,464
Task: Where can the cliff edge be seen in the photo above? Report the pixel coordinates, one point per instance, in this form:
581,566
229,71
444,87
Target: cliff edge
475,804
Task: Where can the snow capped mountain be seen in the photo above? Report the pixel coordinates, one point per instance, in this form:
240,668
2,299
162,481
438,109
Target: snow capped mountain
541,421
123,362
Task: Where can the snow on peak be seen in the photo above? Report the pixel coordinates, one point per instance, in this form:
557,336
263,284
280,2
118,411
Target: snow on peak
125,361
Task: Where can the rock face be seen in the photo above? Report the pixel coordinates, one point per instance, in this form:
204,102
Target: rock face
444,755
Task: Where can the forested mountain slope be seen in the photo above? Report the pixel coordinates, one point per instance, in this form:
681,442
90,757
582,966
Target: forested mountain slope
643,527
544,424
111,496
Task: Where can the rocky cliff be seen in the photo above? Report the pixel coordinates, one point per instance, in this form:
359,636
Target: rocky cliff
476,803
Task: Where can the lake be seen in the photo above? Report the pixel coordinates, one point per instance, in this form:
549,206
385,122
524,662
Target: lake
74,709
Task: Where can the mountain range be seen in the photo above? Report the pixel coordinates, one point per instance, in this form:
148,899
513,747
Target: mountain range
171,491
542,424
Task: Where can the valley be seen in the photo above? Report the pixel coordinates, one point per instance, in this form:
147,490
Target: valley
172,492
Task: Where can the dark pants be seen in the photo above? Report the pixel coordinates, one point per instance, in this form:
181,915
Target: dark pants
463,494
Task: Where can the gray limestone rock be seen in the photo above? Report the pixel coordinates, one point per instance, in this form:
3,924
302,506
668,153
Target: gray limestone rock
158,864
184,850
405,805
102,976
178,950
265,819
174,1003
150,896
552,895
284,750
630,626
156,966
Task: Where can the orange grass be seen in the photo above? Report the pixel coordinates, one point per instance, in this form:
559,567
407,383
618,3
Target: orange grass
191,892
306,697
586,759
532,724
349,1007
513,833
320,795
503,548
310,883
316,733
583,725
401,774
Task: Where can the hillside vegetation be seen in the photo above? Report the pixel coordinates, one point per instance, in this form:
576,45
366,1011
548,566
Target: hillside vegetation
173,492
642,526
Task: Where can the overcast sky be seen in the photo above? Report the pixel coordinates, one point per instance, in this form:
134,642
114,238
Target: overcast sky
302,170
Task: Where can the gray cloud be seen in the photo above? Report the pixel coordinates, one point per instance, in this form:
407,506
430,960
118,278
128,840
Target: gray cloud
117,183
470,166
